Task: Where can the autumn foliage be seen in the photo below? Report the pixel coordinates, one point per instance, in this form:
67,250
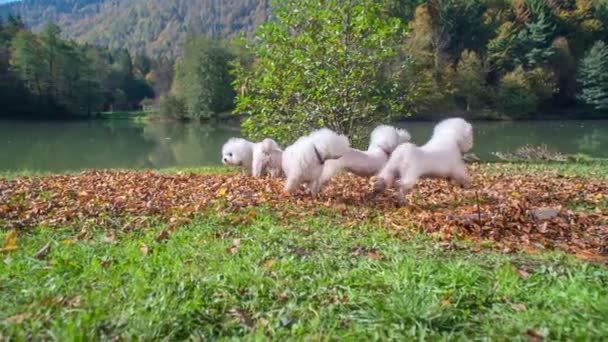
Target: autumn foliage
504,210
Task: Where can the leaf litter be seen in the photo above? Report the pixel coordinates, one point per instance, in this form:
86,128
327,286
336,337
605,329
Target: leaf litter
509,210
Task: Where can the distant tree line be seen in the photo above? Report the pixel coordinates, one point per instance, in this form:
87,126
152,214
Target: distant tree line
338,63
44,76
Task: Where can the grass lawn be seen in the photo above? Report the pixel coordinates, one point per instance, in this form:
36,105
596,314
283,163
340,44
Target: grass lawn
254,273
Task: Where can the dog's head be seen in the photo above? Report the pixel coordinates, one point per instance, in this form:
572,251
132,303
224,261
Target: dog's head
388,138
459,130
236,152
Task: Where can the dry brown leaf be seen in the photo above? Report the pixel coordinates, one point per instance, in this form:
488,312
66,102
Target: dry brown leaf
164,235
534,335
500,211
236,244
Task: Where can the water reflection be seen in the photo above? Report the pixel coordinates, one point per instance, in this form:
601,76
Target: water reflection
60,146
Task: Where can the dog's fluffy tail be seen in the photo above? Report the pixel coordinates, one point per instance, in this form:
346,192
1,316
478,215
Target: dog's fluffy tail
329,144
268,145
388,138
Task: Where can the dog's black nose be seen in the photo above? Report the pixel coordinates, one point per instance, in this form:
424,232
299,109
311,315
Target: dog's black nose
225,160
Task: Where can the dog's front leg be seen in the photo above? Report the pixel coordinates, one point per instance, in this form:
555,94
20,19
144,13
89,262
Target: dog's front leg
462,178
315,187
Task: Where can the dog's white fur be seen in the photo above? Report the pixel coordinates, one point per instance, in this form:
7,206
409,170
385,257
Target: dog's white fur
303,165
441,157
267,157
257,159
383,141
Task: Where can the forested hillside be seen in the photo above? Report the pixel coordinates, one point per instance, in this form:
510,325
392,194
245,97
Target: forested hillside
156,27
476,58
44,76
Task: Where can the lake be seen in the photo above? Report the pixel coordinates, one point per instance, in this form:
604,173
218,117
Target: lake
78,145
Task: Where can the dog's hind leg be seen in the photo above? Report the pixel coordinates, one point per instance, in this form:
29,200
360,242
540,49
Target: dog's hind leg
291,184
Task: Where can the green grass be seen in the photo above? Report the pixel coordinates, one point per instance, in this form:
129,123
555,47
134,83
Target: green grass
302,279
299,279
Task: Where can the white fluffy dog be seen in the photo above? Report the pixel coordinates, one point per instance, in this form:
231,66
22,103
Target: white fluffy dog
383,141
304,160
257,159
439,157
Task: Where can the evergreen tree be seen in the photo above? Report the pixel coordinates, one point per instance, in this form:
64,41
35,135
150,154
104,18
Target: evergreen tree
593,77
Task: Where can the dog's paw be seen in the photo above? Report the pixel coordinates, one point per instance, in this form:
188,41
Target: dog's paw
379,186
400,199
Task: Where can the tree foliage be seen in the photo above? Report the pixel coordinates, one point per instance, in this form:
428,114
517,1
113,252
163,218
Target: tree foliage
203,82
593,77
44,75
324,63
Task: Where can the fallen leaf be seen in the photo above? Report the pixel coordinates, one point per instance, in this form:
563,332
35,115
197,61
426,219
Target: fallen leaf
523,273
222,192
17,319
236,244
269,263
10,242
519,307
164,235
144,249
75,301
535,335
43,252
263,322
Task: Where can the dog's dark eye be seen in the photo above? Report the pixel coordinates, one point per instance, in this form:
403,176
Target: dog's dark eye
229,154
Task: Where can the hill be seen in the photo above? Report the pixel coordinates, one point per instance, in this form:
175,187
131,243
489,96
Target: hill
157,27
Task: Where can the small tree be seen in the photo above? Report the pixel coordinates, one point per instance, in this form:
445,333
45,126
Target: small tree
593,77
202,78
322,63
515,94
470,79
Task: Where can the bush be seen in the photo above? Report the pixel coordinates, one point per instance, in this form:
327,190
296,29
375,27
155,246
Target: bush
515,94
171,107
543,83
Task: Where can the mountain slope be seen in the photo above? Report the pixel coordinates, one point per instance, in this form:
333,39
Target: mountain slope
157,27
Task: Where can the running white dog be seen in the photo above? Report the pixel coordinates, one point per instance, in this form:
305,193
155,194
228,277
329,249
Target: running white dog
439,157
304,160
383,141
257,159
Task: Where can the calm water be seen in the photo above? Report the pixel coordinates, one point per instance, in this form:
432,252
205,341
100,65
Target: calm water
61,146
